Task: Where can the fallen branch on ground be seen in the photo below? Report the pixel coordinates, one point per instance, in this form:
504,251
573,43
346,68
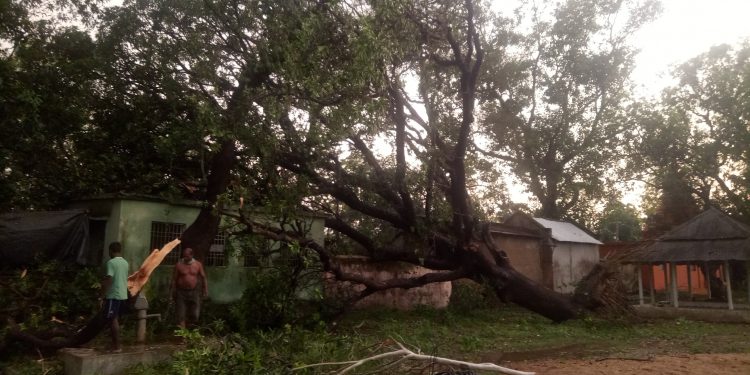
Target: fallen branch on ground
403,354
54,339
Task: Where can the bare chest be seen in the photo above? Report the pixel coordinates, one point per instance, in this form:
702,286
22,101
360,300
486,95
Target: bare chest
187,269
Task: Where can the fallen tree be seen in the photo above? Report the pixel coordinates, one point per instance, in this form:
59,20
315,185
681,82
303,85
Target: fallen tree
409,197
57,338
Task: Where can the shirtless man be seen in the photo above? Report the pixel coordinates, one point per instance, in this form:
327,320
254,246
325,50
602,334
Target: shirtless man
189,276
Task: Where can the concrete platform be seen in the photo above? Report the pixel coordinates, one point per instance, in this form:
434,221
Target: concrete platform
694,313
81,361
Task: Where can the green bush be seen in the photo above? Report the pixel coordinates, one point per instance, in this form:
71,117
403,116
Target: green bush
270,352
468,295
288,292
39,297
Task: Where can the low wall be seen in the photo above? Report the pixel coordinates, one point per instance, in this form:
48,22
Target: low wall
705,315
436,295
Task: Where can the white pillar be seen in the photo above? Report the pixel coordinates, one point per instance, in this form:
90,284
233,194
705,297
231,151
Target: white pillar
673,272
640,284
666,281
708,280
728,280
651,283
690,281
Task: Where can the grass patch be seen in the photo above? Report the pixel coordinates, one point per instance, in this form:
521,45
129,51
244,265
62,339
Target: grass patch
470,334
500,334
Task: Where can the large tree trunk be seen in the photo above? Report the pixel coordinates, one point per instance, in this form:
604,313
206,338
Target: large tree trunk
201,233
512,286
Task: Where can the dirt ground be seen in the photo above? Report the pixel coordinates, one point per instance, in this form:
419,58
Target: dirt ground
663,364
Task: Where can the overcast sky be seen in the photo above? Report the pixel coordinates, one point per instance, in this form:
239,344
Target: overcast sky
685,29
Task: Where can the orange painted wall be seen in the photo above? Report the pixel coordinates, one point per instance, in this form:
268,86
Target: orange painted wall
697,279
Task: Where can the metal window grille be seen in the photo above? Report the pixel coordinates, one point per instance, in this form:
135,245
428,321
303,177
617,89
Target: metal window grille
161,234
253,259
216,255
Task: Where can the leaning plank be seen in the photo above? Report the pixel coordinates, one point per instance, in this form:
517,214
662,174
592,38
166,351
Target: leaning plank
137,280
51,341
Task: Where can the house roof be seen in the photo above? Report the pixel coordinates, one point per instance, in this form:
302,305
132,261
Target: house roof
567,232
513,230
709,236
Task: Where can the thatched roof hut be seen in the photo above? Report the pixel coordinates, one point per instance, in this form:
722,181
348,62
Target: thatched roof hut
709,236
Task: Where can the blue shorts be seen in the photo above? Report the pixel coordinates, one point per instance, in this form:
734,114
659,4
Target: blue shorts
113,307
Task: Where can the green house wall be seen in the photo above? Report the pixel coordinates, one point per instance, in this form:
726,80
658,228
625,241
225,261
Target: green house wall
129,222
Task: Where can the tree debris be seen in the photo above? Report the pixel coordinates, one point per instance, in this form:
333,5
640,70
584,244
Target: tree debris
403,354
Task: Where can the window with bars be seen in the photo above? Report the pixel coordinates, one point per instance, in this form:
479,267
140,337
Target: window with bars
163,232
216,254
252,259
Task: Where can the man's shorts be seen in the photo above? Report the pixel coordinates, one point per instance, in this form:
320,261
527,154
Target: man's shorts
188,302
113,307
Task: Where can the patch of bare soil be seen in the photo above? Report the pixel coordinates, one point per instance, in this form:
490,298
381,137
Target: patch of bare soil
567,351
738,363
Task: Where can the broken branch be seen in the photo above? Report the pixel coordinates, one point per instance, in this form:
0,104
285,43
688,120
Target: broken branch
405,354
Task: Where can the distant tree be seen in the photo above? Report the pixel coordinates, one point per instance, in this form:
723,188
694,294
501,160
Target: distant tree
554,99
713,95
619,222
692,146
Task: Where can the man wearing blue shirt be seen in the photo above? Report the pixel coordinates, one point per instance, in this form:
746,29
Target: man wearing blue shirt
115,292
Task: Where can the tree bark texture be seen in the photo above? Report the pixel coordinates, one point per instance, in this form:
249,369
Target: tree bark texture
201,233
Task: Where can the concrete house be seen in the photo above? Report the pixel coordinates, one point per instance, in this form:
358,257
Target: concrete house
143,223
556,254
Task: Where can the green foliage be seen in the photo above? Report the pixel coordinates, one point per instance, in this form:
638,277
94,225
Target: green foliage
34,366
33,297
619,222
556,111
466,334
261,352
285,290
693,144
468,295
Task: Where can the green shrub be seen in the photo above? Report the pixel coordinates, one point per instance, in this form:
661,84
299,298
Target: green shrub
288,292
468,295
37,297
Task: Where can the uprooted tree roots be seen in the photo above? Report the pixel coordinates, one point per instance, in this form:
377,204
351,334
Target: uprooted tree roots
603,290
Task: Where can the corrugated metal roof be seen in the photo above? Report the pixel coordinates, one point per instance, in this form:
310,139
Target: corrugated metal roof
512,230
709,236
567,232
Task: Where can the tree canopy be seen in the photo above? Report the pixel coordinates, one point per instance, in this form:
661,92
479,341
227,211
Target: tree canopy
692,147
396,119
